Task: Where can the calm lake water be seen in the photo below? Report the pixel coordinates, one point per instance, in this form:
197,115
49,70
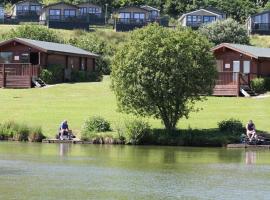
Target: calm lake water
64,171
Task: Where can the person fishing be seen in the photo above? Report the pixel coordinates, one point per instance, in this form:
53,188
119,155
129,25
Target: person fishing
250,130
63,129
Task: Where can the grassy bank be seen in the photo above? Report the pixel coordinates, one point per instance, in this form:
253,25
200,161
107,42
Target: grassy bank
47,107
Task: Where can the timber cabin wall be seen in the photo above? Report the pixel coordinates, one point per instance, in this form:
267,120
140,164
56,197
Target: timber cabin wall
133,10
228,56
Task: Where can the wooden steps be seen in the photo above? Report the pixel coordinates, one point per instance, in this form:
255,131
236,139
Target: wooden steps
226,90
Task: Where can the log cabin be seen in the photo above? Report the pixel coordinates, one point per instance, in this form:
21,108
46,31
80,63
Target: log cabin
21,61
197,18
237,65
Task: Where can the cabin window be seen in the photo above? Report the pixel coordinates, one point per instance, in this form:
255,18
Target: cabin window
139,17
208,19
236,66
246,69
94,10
35,8
6,57
124,15
69,13
83,10
219,65
194,18
25,58
55,13
82,64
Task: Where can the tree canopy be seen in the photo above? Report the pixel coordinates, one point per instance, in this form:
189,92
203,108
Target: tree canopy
162,72
227,30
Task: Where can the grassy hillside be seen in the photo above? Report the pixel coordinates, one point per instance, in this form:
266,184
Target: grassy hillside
261,41
75,102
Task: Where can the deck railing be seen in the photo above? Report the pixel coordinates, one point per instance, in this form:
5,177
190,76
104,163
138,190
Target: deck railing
19,69
234,78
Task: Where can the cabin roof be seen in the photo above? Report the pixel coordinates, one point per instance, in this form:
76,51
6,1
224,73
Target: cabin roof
51,47
31,1
126,7
255,52
149,8
53,4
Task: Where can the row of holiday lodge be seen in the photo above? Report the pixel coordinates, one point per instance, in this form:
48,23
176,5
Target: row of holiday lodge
21,61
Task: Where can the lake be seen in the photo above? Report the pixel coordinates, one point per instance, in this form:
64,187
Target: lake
65,171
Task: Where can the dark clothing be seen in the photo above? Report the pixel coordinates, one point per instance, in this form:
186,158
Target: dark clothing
63,126
250,127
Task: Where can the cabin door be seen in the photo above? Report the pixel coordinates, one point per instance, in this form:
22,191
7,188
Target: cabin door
236,70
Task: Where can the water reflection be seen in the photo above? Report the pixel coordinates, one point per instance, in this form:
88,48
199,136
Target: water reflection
250,157
63,149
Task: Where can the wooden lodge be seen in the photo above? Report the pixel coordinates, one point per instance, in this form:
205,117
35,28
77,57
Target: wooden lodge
21,61
237,65
132,17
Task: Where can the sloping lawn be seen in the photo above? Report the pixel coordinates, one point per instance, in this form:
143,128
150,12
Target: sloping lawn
47,107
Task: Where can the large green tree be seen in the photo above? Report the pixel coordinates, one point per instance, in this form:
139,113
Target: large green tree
162,72
227,30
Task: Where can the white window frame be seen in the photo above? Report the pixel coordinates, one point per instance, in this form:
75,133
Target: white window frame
246,67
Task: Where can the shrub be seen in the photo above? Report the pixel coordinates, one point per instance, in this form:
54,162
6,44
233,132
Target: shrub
79,76
267,82
22,133
258,85
94,125
227,30
36,135
137,132
57,72
231,126
34,32
46,76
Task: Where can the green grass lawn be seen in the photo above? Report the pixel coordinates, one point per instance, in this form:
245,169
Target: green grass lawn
47,107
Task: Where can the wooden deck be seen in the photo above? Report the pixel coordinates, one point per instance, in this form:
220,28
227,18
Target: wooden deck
65,141
228,83
245,146
18,75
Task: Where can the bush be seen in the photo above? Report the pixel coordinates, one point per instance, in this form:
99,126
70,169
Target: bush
258,85
46,76
22,133
267,83
137,132
231,126
227,30
82,76
34,32
57,72
94,125
36,135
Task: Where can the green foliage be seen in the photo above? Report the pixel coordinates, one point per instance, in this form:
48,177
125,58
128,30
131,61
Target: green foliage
228,30
258,85
162,72
35,32
267,83
20,132
93,125
56,72
83,76
231,126
137,132
35,135
46,76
